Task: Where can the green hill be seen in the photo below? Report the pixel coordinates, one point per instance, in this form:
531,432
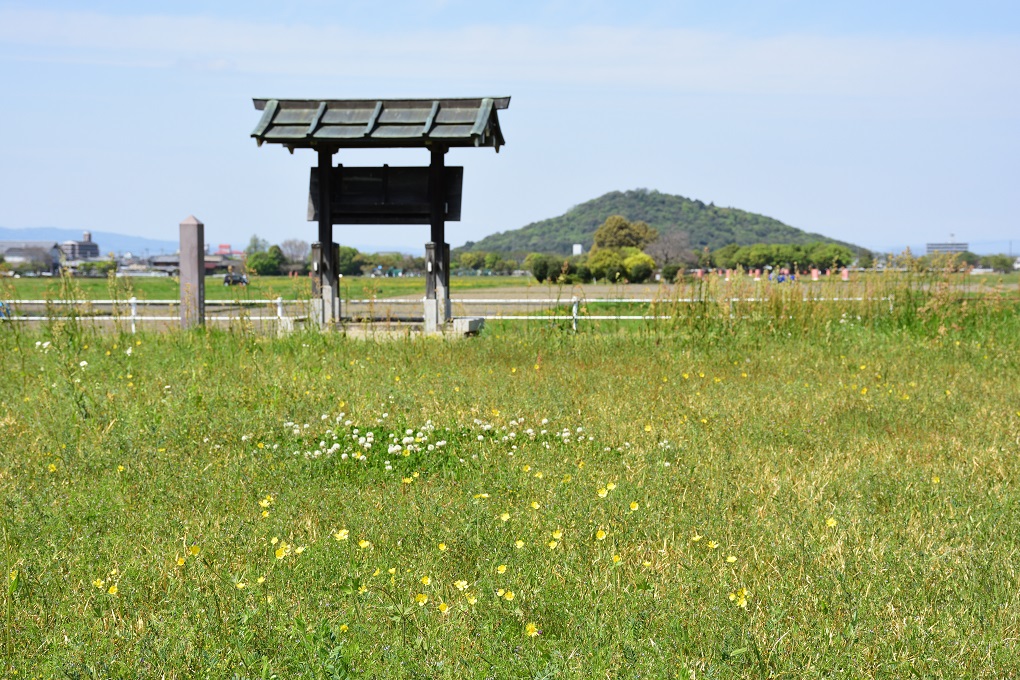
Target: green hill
707,225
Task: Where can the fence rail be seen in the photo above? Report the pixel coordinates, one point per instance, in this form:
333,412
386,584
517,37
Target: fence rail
281,308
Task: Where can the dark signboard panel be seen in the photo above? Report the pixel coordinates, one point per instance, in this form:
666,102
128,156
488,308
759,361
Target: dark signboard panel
384,195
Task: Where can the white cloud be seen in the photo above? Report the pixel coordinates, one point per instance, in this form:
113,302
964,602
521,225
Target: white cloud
669,59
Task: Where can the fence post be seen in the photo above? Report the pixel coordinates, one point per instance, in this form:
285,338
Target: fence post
279,307
134,312
573,312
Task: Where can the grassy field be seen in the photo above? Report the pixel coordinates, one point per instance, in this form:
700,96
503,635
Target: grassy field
260,288
800,492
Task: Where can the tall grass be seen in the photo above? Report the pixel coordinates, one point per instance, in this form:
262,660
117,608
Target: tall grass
196,504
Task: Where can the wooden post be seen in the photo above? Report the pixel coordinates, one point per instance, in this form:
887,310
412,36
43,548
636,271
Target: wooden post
437,282
192,262
326,276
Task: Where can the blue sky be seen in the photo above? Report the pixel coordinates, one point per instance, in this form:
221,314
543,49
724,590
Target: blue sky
881,123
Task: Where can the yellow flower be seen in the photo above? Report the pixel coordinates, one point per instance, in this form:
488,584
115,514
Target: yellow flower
362,589
460,585
376,572
501,569
299,550
443,608
407,480
364,544
120,468
343,628
180,561
712,545
505,516
508,595
51,467
610,486
616,559
273,540
471,599
99,583
112,590
265,513
935,479
552,545
518,544
194,550
634,505
442,547
603,492
646,563
831,522
731,559
425,580
558,534
526,468
421,599
342,535
391,570
739,598
535,505
240,585
282,551
531,630
260,580
696,537
600,535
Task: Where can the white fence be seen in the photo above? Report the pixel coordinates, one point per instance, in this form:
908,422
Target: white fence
285,313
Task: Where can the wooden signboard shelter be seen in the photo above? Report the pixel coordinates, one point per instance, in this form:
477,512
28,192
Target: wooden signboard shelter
349,195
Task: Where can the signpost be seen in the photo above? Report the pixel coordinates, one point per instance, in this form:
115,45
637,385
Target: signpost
383,195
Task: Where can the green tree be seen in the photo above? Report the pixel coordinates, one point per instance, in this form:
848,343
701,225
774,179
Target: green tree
349,261
256,245
618,232
638,267
263,264
1000,263
606,264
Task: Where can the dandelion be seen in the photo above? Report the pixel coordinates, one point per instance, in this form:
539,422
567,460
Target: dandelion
421,599
935,479
646,563
501,569
342,535
535,505
531,630
616,559
260,580
610,486
51,467
442,547
120,468
364,544
739,598
648,428
407,480
460,585
180,561
518,544
504,516
600,535
508,595
443,608
282,551
194,550
603,492
425,580
112,590
391,571
634,506
552,545
362,589
471,598
558,534
343,628
831,522
99,583
712,545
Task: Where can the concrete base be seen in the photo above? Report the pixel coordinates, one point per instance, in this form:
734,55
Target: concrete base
437,315
327,309
468,325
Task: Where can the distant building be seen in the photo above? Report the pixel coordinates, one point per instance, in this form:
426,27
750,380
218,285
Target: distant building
578,249
85,249
950,248
37,256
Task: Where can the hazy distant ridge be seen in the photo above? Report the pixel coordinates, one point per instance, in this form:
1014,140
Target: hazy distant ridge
107,241
706,224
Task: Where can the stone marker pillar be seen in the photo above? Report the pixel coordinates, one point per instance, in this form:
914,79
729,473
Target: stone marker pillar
325,286
434,315
192,273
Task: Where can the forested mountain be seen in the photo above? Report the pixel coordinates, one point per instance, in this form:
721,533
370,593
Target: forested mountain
706,224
